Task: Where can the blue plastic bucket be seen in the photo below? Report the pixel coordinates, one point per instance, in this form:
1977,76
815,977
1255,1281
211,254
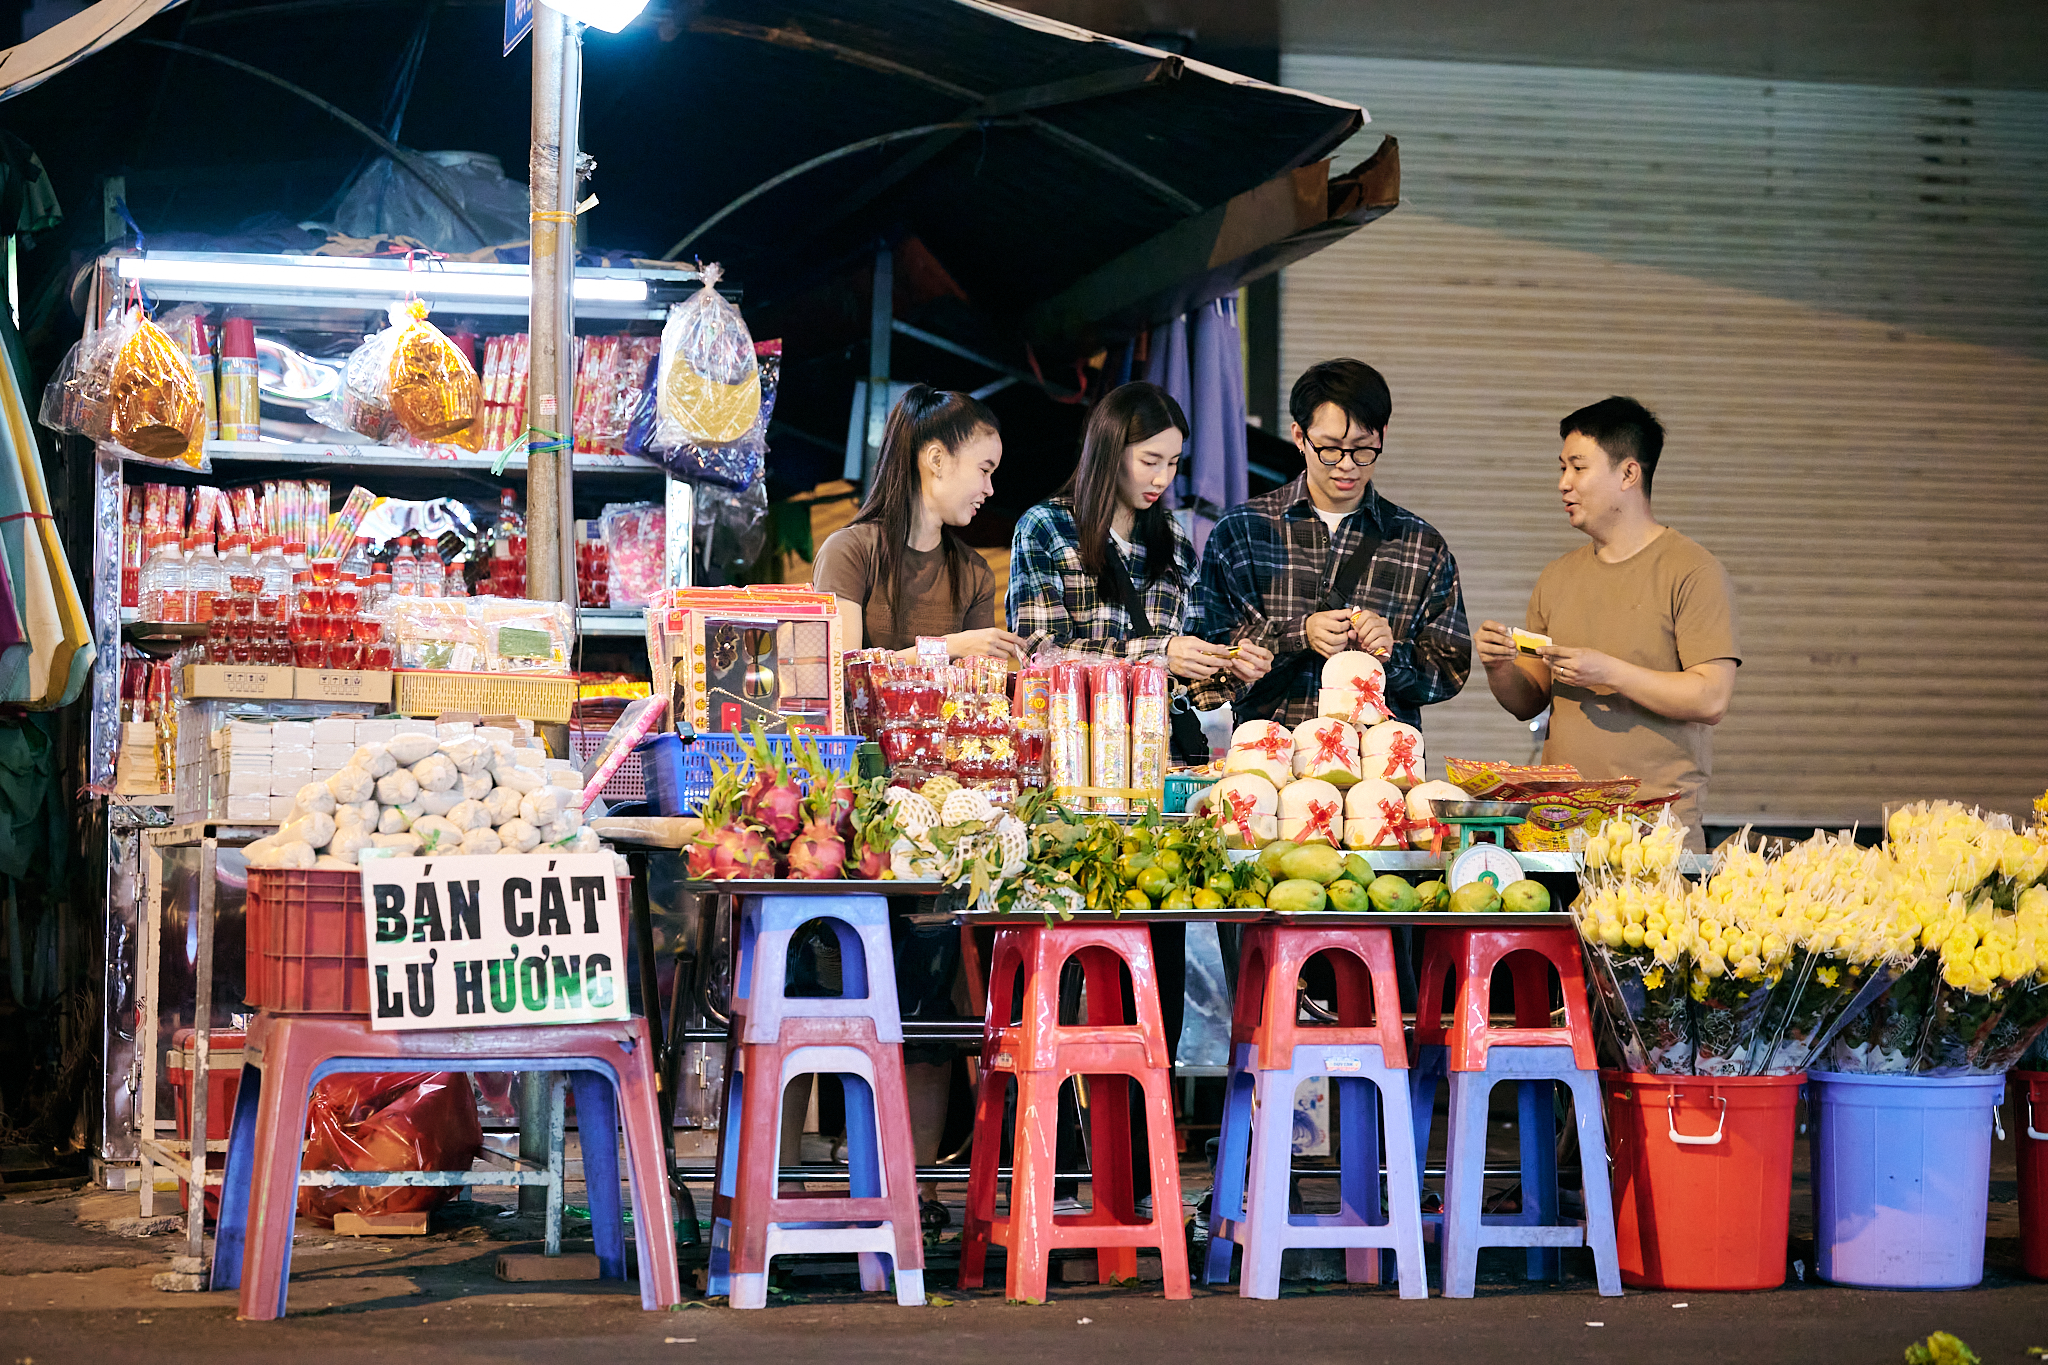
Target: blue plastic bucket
1901,1176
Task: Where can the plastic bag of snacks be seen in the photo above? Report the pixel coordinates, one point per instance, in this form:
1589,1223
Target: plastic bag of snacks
154,405
523,637
709,386
636,543
435,632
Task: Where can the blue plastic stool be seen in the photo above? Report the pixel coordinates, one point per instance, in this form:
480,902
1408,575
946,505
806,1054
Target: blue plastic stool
866,958
1465,1228
1258,1137
1536,1129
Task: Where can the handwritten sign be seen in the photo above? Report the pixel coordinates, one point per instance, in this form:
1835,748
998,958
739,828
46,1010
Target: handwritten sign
494,942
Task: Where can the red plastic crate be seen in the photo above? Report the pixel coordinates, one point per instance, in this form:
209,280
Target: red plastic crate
626,782
306,942
224,1079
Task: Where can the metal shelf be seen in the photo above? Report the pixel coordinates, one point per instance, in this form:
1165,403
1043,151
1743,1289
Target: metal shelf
628,621
341,451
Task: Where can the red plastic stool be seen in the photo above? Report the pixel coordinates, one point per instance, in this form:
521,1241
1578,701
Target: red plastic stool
1472,954
1266,1010
287,1053
752,1222
1041,1054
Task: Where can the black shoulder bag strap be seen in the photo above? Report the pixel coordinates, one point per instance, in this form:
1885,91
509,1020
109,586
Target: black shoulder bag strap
1261,695
1188,742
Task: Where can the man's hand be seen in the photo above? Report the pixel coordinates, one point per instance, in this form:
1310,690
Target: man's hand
1328,632
1496,644
1373,633
1580,667
1252,663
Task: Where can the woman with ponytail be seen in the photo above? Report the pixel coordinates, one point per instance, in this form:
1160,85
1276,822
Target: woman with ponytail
900,570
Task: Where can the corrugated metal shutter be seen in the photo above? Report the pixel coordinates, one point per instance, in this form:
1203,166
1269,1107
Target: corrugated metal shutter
1837,300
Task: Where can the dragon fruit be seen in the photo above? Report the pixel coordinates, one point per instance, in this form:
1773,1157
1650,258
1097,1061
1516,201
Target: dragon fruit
773,799
728,847
875,831
818,853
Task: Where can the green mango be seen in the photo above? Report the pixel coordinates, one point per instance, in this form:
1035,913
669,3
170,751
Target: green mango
1348,896
1475,898
1298,896
1392,895
1433,896
1358,869
1525,897
1270,856
1313,862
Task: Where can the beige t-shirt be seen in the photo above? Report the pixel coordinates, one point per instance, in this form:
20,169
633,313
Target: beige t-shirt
1667,607
846,566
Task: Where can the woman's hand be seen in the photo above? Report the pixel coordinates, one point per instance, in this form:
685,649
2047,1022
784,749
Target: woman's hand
991,642
1252,663
1192,657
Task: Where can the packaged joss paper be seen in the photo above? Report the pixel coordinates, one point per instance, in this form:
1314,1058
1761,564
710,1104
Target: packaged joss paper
709,386
155,408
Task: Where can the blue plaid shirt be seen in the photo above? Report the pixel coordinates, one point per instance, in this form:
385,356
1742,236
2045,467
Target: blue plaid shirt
1053,594
1266,568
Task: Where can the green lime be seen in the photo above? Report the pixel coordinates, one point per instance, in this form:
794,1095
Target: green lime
1221,884
1130,865
1171,861
1182,897
1155,881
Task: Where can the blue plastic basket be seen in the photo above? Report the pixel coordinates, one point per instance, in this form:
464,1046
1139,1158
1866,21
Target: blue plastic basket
678,775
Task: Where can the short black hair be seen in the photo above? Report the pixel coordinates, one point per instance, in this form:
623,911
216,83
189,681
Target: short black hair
1352,385
1624,429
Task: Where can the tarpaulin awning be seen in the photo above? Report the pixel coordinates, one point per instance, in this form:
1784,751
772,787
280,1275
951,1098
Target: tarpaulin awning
27,65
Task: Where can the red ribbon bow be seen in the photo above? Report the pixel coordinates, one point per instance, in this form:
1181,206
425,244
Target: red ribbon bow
1322,817
1401,755
1242,806
1331,747
1273,746
1371,689
1394,811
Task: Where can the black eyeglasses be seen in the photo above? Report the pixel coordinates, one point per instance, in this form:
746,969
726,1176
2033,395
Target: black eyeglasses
1365,457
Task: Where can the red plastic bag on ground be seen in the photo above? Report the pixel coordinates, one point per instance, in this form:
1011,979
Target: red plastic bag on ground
415,1121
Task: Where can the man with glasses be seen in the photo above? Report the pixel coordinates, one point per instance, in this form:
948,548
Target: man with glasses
1326,564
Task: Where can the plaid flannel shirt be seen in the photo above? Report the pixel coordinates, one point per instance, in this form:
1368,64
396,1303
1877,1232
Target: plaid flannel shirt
1052,594
1266,567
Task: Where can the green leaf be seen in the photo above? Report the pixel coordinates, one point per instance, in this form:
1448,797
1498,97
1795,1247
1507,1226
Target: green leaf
935,1301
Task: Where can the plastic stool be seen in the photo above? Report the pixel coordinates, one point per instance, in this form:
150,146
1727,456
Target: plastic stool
1040,1053
1271,1055
752,1222
1472,955
866,957
259,1194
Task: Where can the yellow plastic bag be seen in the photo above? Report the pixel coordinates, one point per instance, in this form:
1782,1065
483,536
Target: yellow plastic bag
155,407
709,388
434,388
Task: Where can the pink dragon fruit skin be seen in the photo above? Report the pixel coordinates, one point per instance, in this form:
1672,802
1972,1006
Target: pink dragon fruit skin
745,851
778,809
840,816
873,863
817,854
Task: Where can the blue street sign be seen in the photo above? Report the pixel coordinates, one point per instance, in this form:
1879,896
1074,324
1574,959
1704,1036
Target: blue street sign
518,22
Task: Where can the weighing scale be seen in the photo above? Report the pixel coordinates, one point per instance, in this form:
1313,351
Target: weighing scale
1482,853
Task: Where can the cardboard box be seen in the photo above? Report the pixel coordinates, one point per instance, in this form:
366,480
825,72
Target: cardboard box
238,680
327,684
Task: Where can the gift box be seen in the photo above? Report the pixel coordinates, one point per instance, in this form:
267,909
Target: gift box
735,658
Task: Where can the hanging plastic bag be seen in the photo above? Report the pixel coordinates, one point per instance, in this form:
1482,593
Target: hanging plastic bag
636,548
433,386
709,391
154,407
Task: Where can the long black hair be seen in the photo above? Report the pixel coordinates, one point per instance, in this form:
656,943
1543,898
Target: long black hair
1124,417
923,415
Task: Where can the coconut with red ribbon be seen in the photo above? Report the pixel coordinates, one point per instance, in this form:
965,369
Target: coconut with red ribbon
1392,751
1246,808
1375,816
1354,688
1327,748
1312,810
1265,747
1423,826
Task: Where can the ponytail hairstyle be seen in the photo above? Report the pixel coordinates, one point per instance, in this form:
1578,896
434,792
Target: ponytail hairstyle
923,415
1124,417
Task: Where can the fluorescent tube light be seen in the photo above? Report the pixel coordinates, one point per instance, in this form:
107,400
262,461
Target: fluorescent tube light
609,15
358,276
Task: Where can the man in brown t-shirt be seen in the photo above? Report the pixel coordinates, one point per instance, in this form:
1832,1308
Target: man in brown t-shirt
1643,658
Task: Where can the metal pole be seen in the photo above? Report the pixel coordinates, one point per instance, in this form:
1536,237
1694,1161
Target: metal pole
548,326
881,314
568,192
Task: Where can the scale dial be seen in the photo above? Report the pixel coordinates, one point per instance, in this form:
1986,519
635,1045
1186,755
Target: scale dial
1484,862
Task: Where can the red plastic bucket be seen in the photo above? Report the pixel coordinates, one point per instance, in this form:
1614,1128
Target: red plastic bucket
1702,1177
2029,1091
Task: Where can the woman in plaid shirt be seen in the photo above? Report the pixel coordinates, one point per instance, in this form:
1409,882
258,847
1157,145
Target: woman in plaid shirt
1077,557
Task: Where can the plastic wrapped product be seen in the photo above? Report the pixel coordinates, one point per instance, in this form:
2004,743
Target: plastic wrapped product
407,750
570,814
407,844
349,842
1311,809
314,829
435,773
437,835
352,784
315,796
263,852
295,853
398,788
519,834
708,384
1375,816
359,813
374,759
469,815
469,755
440,803
393,820
540,808
477,785
432,633
503,805
566,777
156,410
586,841
327,862
524,637
557,834
636,542
520,779
1247,807
481,842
